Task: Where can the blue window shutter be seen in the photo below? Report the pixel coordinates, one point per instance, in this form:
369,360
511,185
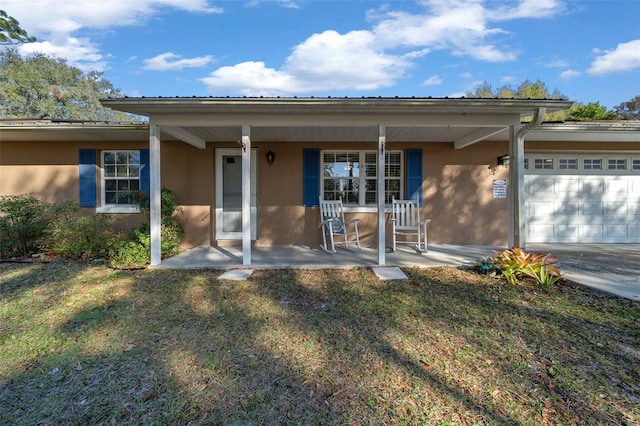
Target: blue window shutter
87,181
414,174
145,179
311,177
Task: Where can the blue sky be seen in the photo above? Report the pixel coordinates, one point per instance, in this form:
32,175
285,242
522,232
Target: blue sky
588,50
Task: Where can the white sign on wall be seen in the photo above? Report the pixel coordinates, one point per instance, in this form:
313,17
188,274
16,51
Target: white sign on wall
499,188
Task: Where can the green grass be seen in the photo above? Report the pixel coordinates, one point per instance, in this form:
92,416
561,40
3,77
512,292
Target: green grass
90,345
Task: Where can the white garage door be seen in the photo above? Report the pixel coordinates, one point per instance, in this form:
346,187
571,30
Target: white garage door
588,199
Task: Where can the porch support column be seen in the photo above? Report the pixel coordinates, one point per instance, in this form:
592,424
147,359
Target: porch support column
382,140
246,194
154,196
517,237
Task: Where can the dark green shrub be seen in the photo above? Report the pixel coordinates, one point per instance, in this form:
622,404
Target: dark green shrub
132,252
170,236
135,251
23,223
75,235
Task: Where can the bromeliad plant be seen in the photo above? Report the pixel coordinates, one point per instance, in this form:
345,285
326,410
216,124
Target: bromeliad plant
516,263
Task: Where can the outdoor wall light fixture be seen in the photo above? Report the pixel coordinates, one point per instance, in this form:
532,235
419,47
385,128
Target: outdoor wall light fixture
271,157
503,160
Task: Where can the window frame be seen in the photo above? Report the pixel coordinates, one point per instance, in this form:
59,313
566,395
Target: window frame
111,207
362,177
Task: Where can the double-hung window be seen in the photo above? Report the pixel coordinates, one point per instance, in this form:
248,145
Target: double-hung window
120,177
352,176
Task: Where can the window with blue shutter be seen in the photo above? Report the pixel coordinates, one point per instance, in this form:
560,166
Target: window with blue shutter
414,174
311,177
87,181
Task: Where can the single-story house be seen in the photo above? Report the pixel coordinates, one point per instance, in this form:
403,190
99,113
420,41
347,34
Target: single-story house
250,171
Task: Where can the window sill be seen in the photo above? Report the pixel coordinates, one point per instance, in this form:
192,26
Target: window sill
118,209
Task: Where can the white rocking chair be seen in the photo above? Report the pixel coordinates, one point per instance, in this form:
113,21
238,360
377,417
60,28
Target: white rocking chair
405,221
333,224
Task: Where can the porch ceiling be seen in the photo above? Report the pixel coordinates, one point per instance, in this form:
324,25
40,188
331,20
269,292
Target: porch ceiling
332,134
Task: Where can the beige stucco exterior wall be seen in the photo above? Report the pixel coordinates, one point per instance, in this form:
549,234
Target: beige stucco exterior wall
457,186
49,171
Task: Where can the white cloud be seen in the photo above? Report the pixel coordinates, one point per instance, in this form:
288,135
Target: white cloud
625,57
326,61
434,80
570,74
557,63
55,22
79,52
528,9
373,58
508,79
170,61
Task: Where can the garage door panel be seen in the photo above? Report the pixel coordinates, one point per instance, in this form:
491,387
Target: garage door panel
541,185
566,233
591,209
615,232
538,232
615,209
589,187
591,233
541,208
566,185
583,206
616,187
568,208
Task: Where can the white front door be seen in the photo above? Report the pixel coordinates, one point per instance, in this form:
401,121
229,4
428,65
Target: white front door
229,194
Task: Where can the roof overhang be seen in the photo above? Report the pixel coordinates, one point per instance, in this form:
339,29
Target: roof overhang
328,106
461,121
69,131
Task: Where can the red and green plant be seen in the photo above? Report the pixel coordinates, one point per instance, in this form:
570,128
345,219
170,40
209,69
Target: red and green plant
516,263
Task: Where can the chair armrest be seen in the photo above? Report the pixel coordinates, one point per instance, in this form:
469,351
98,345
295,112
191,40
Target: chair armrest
425,221
353,221
325,222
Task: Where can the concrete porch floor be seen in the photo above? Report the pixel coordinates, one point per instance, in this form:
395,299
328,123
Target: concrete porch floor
312,257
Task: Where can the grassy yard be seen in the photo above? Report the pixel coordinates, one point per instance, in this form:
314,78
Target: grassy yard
89,345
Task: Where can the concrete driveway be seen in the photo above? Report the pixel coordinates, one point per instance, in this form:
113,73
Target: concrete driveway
611,268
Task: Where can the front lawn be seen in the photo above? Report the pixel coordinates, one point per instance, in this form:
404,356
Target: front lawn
90,345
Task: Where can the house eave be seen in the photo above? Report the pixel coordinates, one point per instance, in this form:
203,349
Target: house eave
151,106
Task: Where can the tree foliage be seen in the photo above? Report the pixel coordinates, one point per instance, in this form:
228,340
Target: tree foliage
591,111
526,90
11,32
46,87
578,112
629,110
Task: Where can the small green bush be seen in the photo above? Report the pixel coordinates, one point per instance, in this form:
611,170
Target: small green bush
131,253
23,224
74,235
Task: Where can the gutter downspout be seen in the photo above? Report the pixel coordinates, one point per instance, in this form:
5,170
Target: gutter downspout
516,176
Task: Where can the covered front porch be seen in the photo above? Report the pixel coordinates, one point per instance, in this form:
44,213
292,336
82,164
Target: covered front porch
373,126
313,257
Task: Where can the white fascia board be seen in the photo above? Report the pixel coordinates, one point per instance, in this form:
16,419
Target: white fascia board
347,120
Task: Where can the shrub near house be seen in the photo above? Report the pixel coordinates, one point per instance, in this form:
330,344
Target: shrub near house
29,225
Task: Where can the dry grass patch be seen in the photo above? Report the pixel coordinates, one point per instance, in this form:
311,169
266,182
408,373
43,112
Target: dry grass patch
91,345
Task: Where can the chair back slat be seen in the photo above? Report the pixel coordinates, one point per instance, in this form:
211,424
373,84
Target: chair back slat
406,213
331,208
